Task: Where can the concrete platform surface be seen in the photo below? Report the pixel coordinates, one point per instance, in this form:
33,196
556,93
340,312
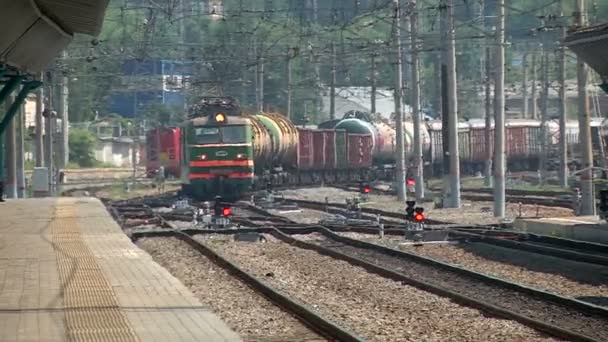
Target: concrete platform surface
68,273
584,228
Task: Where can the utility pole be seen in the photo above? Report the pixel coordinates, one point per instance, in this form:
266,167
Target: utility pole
400,181
19,121
488,102
534,89
405,51
63,108
332,90
445,106
49,131
259,75
10,187
499,122
563,146
524,85
39,124
290,55
544,114
488,119
418,162
261,81
450,99
374,82
584,122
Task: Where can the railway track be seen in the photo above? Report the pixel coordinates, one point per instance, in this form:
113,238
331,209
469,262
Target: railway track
561,199
580,251
320,325
555,315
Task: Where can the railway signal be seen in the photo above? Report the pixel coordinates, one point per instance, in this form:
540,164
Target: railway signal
603,207
419,216
410,209
410,185
364,188
222,212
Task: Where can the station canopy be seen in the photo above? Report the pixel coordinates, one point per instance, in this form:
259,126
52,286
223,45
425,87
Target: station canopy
34,32
591,45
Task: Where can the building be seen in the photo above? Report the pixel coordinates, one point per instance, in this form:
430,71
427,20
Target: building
359,99
148,83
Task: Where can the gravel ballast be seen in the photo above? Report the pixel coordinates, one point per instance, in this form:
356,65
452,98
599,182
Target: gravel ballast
245,311
465,256
373,307
471,212
563,315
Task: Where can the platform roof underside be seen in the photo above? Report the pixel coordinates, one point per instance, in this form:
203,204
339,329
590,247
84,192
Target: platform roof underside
591,45
34,32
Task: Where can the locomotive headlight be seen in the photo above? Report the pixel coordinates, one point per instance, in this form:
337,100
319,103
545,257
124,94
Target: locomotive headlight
220,118
203,157
241,156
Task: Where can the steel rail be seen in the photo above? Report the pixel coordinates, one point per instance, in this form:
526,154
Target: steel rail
441,290
311,319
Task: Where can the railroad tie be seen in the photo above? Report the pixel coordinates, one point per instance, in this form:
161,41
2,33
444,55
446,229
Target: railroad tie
92,312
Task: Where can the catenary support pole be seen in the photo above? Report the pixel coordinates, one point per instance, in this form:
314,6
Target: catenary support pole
400,181
544,115
19,121
453,111
373,81
10,144
588,197
332,90
489,113
563,146
524,86
499,127
63,112
445,104
534,89
38,138
289,85
416,113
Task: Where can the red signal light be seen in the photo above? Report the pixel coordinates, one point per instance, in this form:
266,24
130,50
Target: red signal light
411,182
367,190
419,217
226,212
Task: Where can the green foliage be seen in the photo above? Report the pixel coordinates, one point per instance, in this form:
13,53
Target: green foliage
224,51
82,145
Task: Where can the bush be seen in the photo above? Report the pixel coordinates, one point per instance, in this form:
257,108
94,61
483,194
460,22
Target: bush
82,145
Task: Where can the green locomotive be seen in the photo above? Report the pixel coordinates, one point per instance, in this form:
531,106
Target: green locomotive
224,149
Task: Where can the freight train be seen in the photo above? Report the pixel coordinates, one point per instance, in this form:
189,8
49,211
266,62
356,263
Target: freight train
223,151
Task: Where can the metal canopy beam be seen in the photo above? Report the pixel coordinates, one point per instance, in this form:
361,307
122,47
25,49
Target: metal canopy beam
10,114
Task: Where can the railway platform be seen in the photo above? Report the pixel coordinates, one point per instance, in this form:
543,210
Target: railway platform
584,228
68,273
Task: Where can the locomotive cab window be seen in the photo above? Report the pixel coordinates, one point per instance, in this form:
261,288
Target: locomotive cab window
234,134
226,134
207,135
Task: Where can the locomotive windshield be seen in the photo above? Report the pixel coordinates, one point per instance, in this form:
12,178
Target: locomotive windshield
227,134
234,134
207,135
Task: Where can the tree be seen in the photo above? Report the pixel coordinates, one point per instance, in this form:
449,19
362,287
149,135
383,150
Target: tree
82,145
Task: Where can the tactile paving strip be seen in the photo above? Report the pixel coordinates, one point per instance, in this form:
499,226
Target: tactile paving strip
91,308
